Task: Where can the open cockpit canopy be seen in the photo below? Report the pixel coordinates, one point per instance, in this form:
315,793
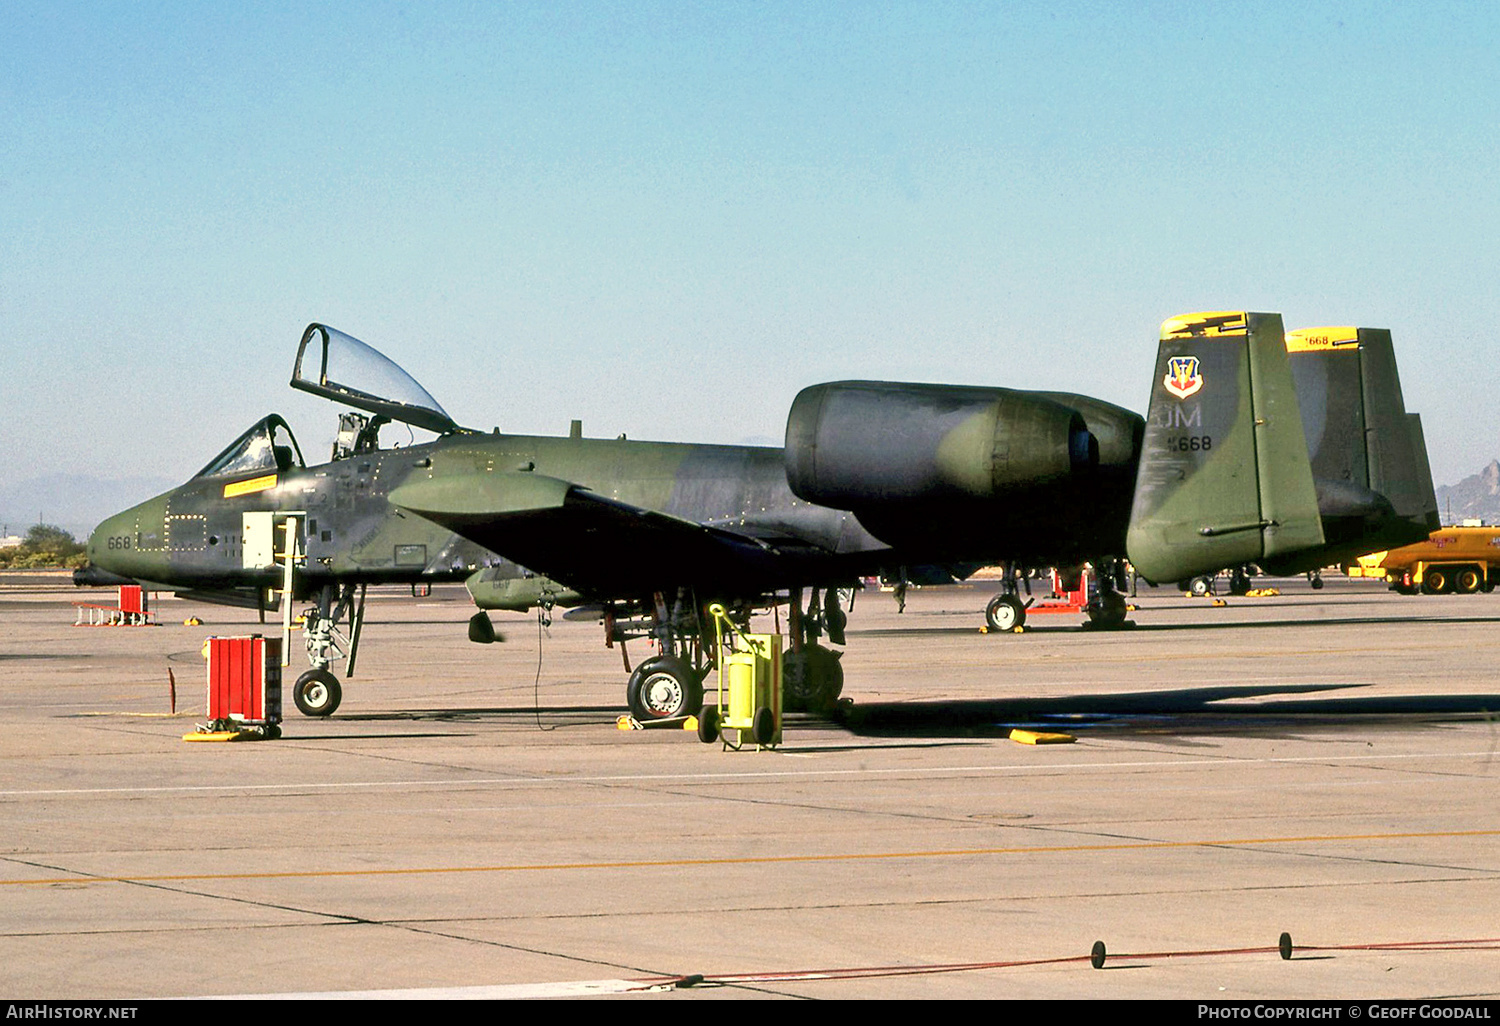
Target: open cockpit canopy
342,368
268,447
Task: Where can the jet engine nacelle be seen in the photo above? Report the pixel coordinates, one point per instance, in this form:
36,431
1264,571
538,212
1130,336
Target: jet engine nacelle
862,444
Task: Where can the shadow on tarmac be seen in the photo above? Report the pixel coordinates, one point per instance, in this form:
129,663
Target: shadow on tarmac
1265,710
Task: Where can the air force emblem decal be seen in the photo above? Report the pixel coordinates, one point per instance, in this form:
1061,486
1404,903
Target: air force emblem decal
1183,377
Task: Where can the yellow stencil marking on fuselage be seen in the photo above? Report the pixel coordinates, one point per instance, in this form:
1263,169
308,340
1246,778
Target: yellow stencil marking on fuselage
246,487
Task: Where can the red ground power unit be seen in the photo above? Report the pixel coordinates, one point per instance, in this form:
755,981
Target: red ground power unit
244,679
132,599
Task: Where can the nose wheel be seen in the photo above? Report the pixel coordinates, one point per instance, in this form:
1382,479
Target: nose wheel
317,693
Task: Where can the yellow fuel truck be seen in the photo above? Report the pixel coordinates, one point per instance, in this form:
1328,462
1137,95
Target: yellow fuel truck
1462,559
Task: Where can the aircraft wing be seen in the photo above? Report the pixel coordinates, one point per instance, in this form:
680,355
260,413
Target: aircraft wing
598,545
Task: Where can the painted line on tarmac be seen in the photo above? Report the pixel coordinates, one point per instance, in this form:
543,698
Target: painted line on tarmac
580,988
732,778
749,860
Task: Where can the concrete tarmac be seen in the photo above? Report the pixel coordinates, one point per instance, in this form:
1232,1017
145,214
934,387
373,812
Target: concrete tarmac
471,822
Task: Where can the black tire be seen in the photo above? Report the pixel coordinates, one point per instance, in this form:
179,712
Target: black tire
708,724
664,688
1239,583
1467,581
812,680
1005,613
1437,582
317,693
1107,611
765,726
1316,581
1200,587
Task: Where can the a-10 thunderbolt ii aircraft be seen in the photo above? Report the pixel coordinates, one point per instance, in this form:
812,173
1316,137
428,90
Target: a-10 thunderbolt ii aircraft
874,476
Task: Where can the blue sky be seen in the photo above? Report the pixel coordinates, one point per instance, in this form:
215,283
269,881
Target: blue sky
666,218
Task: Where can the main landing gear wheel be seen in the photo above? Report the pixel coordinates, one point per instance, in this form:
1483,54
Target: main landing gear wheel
1107,611
811,680
663,688
317,693
1005,613
1200,587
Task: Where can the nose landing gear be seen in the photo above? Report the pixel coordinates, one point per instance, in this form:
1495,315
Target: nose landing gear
318,692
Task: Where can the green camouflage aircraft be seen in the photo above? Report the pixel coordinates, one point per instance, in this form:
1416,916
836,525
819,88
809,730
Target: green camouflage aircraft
875,477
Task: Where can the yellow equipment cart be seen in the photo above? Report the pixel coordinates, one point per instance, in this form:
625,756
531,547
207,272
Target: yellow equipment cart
749,687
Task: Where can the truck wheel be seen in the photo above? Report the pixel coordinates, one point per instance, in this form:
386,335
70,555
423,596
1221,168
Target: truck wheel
1466,581
1437,582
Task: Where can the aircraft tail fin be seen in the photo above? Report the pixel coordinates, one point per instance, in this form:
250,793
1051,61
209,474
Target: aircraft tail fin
1361,439
1225,477
1398,452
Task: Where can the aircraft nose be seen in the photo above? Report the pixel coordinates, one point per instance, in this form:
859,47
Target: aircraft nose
98,550
115,544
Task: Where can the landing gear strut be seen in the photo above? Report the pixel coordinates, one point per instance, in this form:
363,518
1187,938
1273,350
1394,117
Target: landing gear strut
1107,609
670,684
1239,581
1005,611
812,678
317,692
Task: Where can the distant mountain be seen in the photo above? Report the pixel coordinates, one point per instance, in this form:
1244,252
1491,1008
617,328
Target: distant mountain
1474,498
73,502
